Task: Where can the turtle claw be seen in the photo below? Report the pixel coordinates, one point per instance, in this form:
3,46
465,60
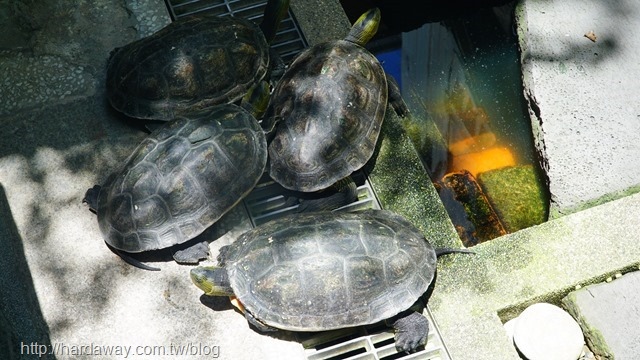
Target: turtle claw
193,254
395,97
411,332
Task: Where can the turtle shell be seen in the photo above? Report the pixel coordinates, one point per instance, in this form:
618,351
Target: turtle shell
181,179
192,63
330,105
322,271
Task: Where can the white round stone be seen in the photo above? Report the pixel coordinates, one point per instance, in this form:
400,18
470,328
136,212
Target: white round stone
546,332
509,327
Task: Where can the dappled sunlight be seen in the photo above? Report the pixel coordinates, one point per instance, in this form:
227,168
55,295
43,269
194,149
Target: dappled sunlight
62,242
22,191
85,290
576,47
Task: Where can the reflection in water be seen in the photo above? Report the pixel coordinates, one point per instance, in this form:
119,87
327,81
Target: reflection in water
461,79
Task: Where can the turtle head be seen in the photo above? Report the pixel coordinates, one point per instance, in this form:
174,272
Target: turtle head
365,27
256,100
213,280
274,12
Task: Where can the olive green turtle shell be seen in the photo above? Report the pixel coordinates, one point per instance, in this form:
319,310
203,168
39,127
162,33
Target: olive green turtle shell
322,271
192,63
329,105
181,179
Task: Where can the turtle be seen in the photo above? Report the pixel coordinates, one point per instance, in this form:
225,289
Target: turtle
325,270
193,63
180,180
326,112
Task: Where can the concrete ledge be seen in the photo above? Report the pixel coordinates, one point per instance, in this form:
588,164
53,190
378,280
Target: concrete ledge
608,314
402,185
578,91
332,25
541,263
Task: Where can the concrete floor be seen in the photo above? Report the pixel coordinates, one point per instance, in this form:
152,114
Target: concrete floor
59,137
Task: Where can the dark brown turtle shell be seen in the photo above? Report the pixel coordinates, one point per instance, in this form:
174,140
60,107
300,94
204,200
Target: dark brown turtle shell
182,179
192,63
330,105
328,270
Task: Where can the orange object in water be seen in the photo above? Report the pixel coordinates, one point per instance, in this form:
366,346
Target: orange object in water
479,162
472,144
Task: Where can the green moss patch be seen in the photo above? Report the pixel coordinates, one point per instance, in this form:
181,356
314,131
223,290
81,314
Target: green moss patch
517,195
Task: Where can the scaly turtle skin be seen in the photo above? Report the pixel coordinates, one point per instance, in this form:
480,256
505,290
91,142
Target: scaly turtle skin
180,180
328,270
327,111
193,63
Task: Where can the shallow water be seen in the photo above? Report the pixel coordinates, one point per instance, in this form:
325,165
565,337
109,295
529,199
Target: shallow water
461,80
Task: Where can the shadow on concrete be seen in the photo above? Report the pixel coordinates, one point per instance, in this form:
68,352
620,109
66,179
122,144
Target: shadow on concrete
582,49
23,330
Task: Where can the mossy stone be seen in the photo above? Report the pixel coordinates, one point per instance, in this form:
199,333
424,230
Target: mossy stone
517,195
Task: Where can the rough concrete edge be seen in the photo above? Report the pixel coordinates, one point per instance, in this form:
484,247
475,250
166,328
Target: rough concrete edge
332,25
594,202
537,119
599,347
402,185
528,91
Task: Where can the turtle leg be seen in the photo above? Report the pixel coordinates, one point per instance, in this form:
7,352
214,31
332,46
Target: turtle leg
278,67
395,97
192,254
339,194
411,330
91,198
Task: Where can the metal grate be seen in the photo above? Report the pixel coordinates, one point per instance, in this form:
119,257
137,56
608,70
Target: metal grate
372,343
289,40
268,200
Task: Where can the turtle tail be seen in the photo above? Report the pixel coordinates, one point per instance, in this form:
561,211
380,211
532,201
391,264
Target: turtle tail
365,27
131,261
275,11
445,251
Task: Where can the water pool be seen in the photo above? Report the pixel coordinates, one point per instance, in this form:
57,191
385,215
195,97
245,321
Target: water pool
461,80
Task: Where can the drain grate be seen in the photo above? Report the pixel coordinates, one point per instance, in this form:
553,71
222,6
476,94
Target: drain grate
289,40
268,200
370,343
